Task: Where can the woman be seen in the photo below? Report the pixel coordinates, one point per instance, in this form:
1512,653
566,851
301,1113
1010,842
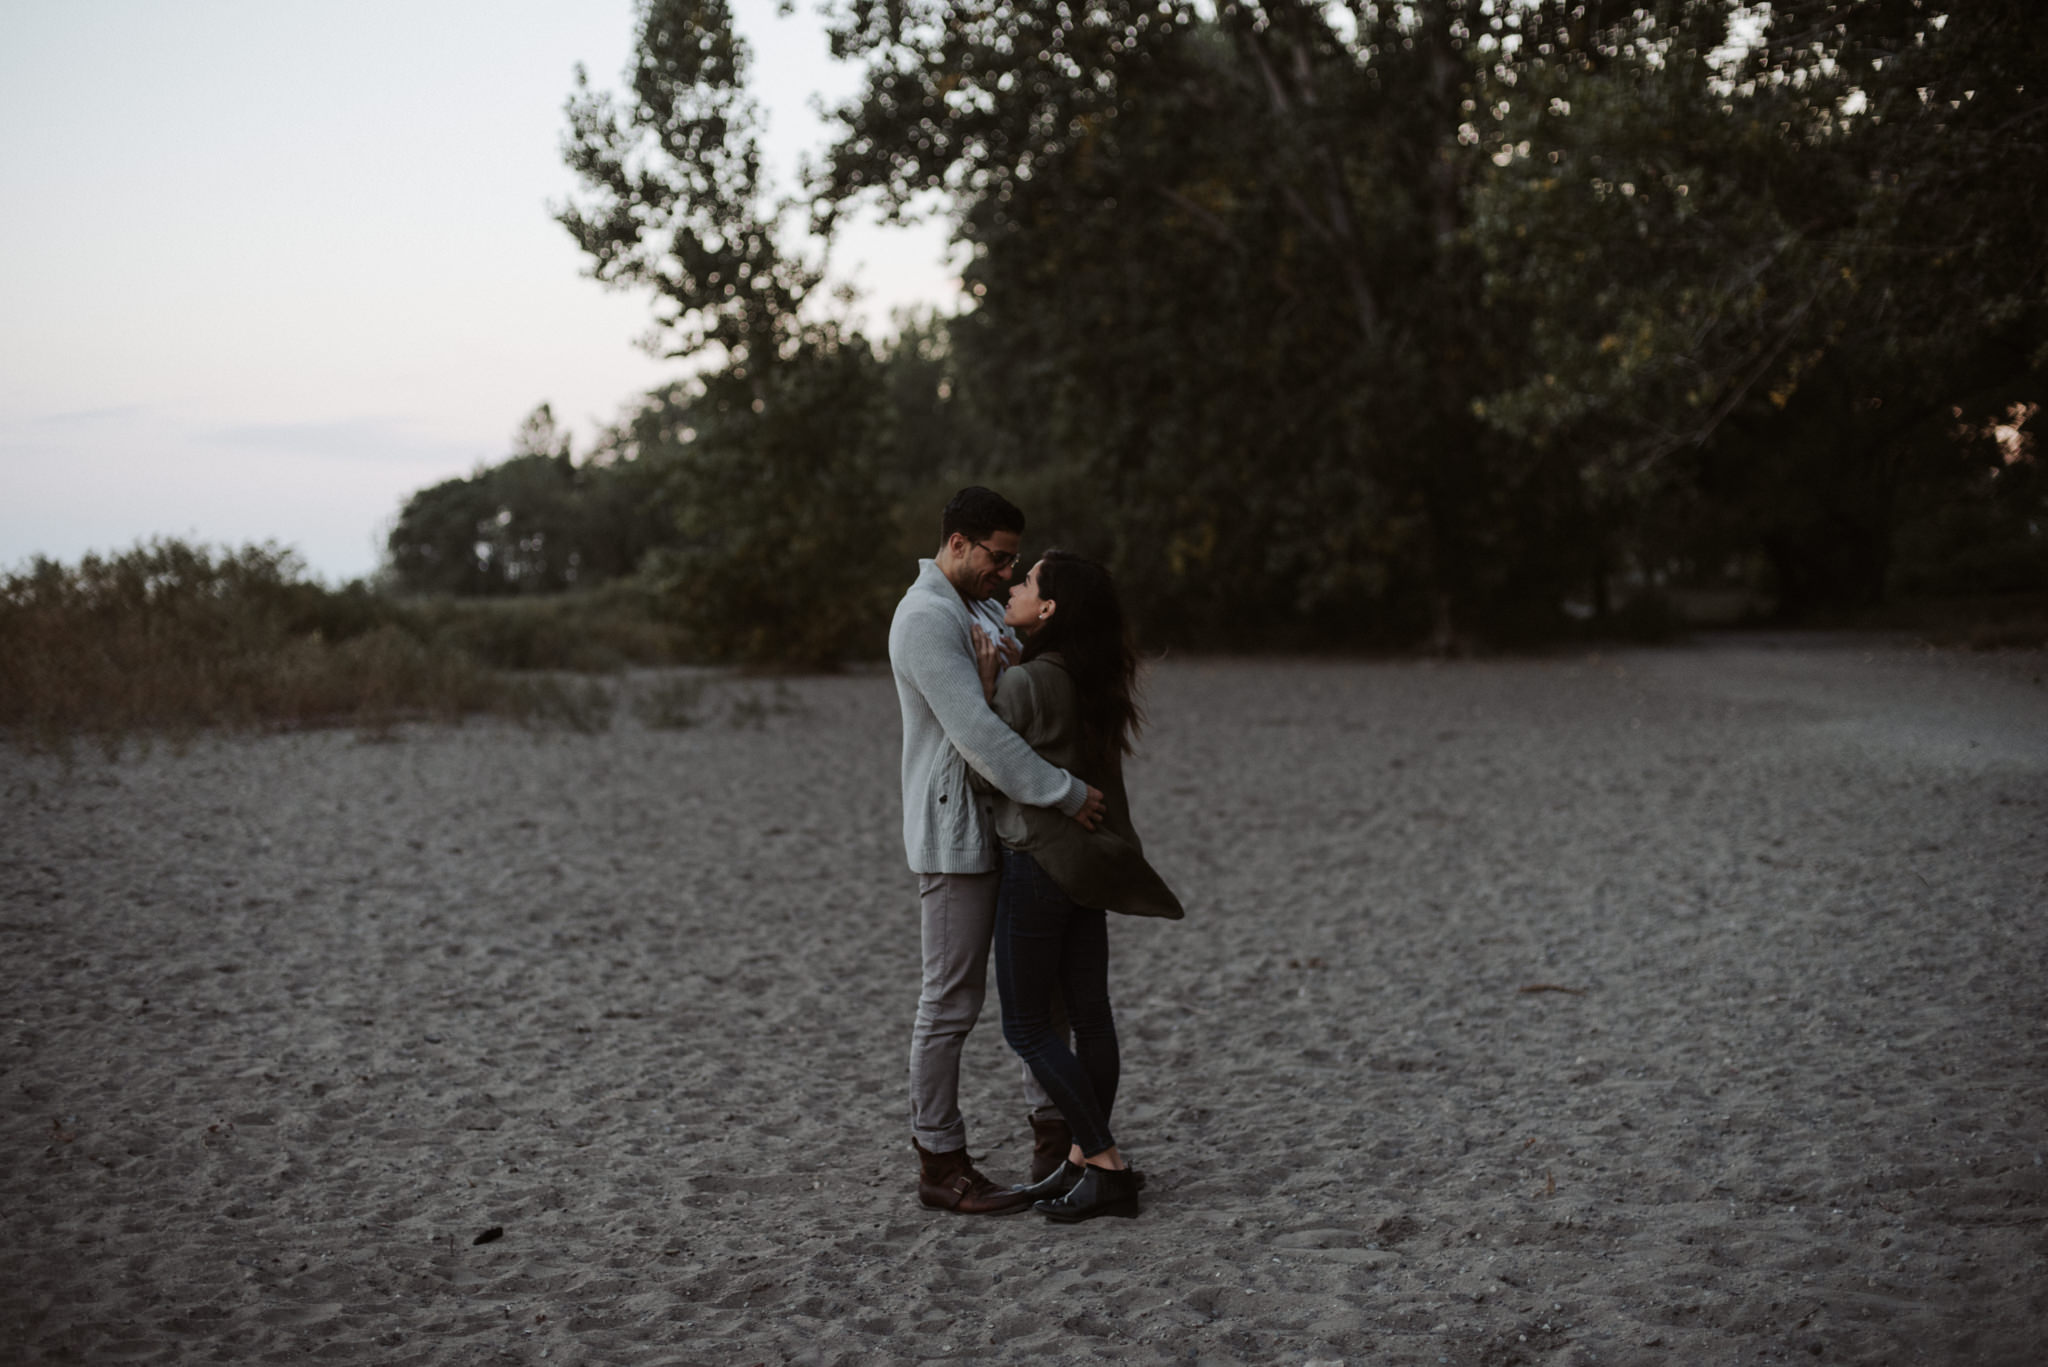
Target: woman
1073,699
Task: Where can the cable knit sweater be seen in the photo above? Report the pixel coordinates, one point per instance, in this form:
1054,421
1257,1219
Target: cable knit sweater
947,725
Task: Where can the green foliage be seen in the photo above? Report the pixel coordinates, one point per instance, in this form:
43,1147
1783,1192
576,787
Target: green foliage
1773,291
170,637
1350,324
776,467
783,548
1978,526
1227,317
597,630
786,501
536,523
673,200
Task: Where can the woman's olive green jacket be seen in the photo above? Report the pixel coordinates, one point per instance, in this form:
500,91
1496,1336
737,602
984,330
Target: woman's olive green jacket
1104,867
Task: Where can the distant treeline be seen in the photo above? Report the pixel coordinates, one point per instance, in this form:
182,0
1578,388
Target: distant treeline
1354,325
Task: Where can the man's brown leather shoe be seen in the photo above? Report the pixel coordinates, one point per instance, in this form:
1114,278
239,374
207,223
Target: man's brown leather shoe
948,1181
1051,1140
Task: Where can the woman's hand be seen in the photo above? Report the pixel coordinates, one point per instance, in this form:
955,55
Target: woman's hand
988,661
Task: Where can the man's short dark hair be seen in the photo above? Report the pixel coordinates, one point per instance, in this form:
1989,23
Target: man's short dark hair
975,512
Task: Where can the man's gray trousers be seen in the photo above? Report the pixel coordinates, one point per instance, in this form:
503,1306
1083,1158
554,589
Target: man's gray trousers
958,916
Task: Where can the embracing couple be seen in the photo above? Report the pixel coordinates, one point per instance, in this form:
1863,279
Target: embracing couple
1018,709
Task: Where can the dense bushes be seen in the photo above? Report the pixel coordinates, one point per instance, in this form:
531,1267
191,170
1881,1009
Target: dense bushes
613,625
169,637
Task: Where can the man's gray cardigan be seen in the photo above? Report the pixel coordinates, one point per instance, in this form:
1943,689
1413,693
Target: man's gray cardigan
947,725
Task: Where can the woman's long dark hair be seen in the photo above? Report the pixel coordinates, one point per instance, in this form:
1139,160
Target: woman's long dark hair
1089,632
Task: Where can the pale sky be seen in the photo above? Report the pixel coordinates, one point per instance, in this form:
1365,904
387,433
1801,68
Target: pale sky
266,269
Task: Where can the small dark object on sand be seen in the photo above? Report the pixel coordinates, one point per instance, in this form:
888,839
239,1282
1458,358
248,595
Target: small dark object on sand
1553,987
489,1236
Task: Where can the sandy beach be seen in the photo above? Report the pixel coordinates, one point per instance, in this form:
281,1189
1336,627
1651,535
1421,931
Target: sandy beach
1676,1006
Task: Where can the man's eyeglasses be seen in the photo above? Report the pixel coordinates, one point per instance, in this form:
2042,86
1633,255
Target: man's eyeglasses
1002,559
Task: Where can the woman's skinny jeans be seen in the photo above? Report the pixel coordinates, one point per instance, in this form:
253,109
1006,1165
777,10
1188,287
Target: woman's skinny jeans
1047,945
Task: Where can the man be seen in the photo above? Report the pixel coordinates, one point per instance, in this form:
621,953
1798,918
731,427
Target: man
948,836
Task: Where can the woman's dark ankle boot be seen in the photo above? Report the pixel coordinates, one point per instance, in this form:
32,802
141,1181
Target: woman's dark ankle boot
1050,1139
1055,1186
1101,1191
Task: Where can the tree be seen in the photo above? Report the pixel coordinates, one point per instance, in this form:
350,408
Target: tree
673,198
537,522
769,458
1370,322
1227,317
1770,278
782,552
